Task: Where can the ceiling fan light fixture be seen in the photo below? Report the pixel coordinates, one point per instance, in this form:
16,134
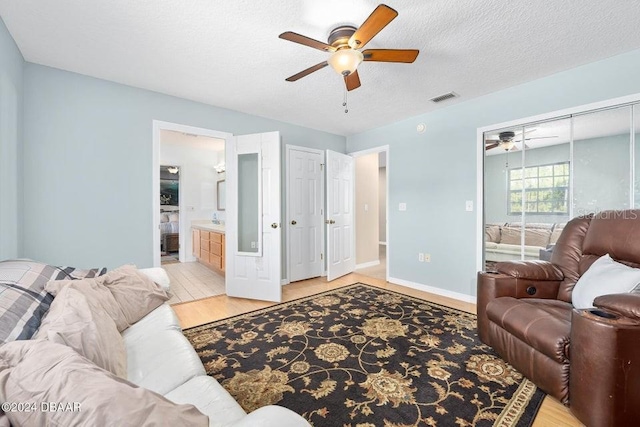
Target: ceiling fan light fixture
345,61
507,145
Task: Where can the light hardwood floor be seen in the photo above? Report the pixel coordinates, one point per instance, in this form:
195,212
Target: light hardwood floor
552,413
192,281
378,271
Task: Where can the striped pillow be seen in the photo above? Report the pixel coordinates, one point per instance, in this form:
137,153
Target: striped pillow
23,300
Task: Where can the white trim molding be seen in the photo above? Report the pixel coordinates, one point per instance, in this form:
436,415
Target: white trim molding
434,290
367,264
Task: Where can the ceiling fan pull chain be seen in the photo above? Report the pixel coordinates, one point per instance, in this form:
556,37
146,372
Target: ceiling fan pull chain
344,104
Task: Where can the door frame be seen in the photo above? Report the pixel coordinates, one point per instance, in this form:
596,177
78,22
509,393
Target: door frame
287,217
379,149
158,126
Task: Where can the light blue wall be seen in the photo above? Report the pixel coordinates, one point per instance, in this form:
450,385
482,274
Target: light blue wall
435,172
87,169
11,66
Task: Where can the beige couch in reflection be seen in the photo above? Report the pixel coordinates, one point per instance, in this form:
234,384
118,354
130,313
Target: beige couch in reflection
503,241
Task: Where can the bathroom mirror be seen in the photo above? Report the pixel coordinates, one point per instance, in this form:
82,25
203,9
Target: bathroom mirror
221,192
249,207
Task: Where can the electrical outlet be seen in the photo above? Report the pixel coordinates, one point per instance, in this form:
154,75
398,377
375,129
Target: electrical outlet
469,205
421,257
253,245
427,257
402,207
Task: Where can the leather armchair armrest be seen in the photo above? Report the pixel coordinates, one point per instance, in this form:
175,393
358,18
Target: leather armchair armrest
531,270
538,279
627,305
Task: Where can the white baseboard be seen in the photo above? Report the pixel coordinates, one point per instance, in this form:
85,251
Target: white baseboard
367,264
284,282
382,243
432,289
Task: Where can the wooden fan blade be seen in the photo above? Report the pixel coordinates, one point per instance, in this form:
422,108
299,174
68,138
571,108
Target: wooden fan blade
308,71
490,146
391,55
378,19
352,80
306,41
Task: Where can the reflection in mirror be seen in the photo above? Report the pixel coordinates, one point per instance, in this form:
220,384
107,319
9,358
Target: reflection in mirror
221,193
547,175
636,125
502,192
526,190
248,203
601,167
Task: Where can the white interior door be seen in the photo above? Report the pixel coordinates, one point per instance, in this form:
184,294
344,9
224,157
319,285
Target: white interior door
253,229
305,213
341,257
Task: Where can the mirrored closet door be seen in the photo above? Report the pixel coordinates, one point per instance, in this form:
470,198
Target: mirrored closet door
539,175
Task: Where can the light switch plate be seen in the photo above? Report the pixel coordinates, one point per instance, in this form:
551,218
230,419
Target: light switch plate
469,205
402,207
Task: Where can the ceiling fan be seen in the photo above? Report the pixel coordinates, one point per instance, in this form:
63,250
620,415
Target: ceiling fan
345,43
508,143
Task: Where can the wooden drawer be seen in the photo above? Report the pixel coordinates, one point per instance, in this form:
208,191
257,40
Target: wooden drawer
204,255
204,235
204,244
215,261
215,248
215,237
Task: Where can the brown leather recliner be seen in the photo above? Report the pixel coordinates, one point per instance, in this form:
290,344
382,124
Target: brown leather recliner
587,359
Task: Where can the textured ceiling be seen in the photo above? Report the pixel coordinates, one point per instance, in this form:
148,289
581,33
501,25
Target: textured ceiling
227,52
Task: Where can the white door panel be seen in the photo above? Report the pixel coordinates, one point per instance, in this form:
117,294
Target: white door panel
305,213
340,218
253,271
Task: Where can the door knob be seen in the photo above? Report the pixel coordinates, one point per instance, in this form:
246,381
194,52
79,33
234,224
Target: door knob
330,221
294,222
274,225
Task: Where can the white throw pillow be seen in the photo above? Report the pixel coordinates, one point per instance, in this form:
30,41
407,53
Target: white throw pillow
605,276
174,217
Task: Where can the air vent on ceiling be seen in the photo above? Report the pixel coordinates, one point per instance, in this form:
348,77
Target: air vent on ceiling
444,97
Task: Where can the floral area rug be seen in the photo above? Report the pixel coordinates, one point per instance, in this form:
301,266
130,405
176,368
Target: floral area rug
363,356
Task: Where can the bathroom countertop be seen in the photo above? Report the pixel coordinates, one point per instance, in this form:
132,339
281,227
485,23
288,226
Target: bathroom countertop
208,226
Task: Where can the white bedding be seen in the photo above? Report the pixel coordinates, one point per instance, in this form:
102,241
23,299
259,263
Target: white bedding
169,222
168,227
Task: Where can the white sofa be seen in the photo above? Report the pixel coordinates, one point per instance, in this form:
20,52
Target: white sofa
161,359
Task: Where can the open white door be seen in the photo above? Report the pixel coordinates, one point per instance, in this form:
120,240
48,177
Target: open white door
341,257
253,261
